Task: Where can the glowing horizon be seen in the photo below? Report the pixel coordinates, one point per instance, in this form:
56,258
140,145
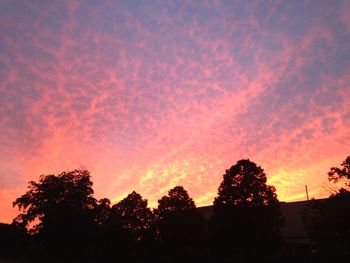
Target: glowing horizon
148,95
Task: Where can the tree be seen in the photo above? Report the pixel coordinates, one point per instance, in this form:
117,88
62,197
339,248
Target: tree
102,211
62,210
181,227
247,215
327,220
68,190
336,174
111,237
327,224
244,184
176,200
135,216
13,242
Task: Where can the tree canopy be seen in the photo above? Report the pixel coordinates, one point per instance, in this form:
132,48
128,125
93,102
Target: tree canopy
176,200
102,211
247,216
327,220
244,184
180,225
62,209
53,195
134,215
336,173
70,223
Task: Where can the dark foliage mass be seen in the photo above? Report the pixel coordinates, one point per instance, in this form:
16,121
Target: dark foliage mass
62,211
61,221
12,240
135,217
328,227
176,200
244,184
328,220
180,226
247,215
336,173
56,197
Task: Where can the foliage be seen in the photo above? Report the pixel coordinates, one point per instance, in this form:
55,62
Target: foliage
134,216
62,210
327,220
71,223
177,218
247,216
180,226
176,200
55,196
244,184
13,241
327,223
336,174
102,211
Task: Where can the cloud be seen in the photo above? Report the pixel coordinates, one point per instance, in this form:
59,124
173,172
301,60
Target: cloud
153,95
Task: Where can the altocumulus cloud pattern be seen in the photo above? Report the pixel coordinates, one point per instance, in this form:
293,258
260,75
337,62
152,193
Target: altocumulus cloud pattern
151,94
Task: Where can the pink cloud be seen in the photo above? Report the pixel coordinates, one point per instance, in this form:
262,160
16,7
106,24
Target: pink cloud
149,97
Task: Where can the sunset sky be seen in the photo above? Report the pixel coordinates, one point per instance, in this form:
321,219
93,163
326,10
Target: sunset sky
148,95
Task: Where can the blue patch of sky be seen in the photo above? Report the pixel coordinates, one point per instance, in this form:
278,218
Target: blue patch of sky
298,16
19,12
6,51
329,97
54,20
269,43
35,53
340,63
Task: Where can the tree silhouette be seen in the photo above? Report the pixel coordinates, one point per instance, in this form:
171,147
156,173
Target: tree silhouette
176,200
112,237
48,198
328,220
244,184
102,211
327,223
336,174
13,241
247,216
134,216
62,210
181,227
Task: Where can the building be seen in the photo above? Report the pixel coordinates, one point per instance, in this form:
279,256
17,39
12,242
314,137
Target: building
293,230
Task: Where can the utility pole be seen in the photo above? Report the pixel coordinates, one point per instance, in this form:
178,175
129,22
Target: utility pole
307,193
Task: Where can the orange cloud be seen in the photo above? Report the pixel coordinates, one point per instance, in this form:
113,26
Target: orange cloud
152,96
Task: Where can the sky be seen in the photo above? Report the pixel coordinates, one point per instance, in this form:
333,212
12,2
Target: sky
148,95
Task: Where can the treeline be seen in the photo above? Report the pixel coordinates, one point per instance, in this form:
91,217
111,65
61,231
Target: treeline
61,220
